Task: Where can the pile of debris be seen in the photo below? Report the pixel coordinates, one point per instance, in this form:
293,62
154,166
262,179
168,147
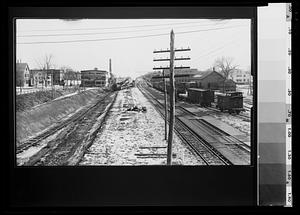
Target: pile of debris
137,108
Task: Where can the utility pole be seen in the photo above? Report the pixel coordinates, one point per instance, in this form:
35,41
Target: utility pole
172,100
110,75
52,83
166,108
172,91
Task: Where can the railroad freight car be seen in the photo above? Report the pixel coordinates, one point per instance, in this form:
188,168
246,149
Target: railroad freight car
203,97
180,88
231,102
157,86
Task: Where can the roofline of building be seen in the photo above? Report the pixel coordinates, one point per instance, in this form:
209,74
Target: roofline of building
93,71
201,77
46,70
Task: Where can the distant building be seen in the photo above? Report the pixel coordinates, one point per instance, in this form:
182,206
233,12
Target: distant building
78,78
240,76
22,75
183,75
71,77
94,78
37,78
209,80
57,74
200,79
213,80
40,77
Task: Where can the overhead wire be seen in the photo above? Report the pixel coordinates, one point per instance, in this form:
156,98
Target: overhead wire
114,32
216,49
117,27
130,37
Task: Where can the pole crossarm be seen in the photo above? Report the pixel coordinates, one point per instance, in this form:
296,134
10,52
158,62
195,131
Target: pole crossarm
166,59
180,67
176,50
167,76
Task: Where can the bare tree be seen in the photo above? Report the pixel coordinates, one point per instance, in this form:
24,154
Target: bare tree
226,67
69,74
46,64
48,61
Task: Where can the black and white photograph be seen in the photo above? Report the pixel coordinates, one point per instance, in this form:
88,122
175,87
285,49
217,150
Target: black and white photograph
133,92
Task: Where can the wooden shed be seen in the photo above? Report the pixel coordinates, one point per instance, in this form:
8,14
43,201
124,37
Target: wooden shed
214,81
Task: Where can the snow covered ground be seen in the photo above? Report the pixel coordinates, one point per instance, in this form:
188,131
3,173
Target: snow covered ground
246,93
235,122
135,138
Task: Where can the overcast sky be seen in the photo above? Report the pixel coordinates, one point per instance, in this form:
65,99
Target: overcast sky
89,43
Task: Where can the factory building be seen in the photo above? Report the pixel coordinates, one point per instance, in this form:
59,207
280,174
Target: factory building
94,78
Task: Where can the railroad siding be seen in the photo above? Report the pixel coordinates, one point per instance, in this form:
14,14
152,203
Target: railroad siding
217,141
204,114
223,126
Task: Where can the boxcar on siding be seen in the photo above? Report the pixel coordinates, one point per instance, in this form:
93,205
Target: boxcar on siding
231,102
204,97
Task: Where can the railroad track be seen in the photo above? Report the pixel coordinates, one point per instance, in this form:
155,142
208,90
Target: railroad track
205,151
238,149
241,115
228,138
244,117
73,119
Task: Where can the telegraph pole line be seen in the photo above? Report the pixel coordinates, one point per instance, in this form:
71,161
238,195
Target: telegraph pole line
110,73
171,76
172,100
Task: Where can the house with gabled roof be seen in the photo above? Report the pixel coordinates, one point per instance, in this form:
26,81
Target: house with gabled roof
22,74
213,80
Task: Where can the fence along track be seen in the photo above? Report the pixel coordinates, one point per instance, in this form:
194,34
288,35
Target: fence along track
207,153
